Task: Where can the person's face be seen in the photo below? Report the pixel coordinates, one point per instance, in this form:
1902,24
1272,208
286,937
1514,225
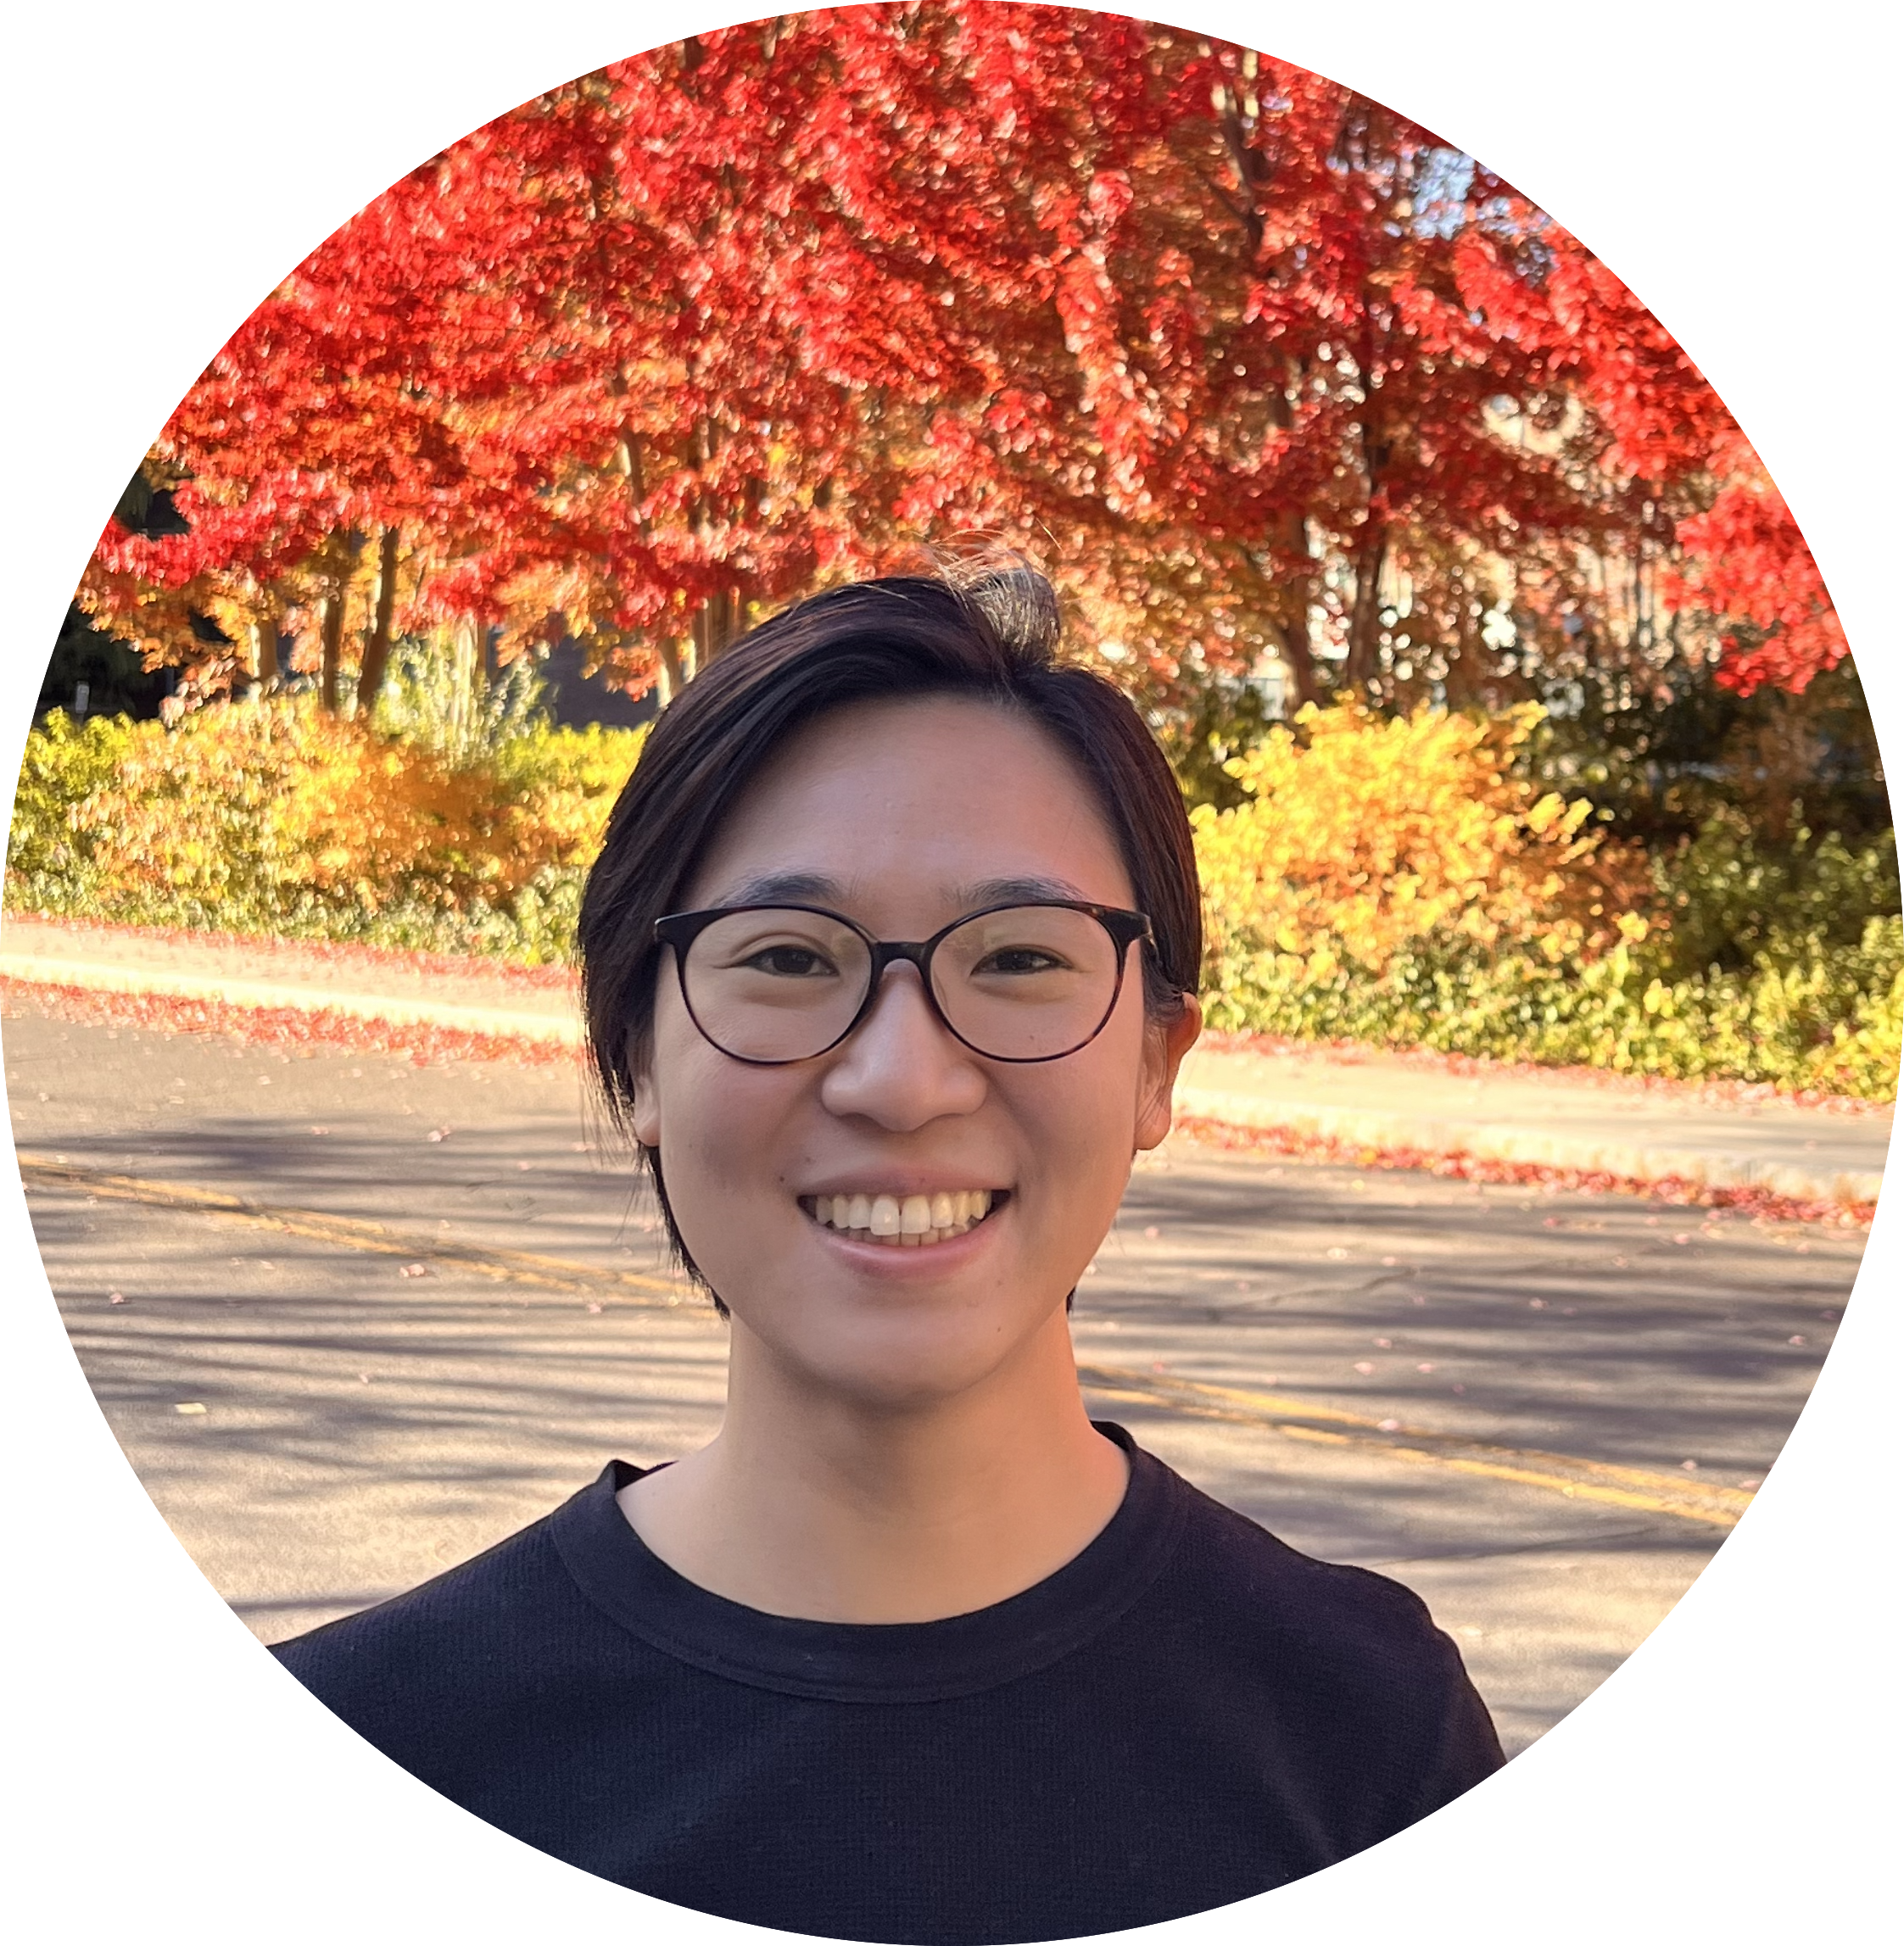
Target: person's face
903,816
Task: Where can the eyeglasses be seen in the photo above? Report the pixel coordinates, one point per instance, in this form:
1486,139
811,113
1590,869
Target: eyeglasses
770,985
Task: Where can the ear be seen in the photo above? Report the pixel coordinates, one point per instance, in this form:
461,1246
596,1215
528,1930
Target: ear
1165,1044
644,1107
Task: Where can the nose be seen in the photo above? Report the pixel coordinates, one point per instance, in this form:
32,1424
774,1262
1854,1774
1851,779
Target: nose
900,1067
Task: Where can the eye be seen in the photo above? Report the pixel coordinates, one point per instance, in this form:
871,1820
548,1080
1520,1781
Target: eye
790,962
1020,960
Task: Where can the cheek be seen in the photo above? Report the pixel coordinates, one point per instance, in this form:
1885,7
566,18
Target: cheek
710,1118
1079,1123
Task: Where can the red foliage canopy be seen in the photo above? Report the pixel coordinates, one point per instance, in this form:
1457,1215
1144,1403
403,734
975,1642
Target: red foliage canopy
1258,362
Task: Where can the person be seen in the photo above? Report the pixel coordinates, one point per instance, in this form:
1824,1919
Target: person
889,960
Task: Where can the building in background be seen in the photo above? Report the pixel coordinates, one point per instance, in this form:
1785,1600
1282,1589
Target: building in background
575,701
91,674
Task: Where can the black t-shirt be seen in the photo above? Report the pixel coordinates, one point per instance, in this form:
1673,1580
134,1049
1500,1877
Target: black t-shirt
1188,1713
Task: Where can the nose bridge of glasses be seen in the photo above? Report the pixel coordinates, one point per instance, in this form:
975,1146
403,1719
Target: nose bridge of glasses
889,957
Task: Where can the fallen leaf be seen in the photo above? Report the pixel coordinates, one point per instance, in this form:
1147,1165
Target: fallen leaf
191,1408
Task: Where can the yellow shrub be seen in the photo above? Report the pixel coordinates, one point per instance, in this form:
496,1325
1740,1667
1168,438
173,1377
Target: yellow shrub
247,807
1365,837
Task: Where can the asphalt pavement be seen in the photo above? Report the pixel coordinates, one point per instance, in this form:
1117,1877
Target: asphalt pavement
353,1318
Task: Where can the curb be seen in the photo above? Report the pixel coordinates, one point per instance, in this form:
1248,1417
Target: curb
1504,1142
99,977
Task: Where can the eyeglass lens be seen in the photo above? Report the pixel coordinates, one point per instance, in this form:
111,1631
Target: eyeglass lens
1027,983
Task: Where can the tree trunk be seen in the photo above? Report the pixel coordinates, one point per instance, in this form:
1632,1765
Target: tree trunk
673,676
1293,599
1298,653
1364,621
466,662
377,649
716,624
265,631
1294,594
331,643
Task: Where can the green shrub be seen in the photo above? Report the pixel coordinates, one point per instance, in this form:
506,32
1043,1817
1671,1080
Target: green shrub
66,763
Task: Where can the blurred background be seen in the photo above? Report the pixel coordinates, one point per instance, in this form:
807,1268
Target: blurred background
1514,716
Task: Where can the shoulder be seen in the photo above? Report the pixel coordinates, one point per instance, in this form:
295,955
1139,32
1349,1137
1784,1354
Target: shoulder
480,1593
1329,1684
484,1627
1341,1654
1240,1567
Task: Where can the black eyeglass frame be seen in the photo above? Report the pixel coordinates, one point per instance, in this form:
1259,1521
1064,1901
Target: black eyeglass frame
680,930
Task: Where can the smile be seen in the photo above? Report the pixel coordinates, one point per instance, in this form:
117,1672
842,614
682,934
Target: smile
907,1221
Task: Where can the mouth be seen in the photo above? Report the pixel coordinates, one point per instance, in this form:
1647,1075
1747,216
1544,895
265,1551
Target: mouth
904,1222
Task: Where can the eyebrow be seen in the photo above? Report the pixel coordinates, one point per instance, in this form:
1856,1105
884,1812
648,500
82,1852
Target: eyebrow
997,891
770,887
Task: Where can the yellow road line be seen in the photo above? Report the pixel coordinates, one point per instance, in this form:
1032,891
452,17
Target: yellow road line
1628,1486
518,1266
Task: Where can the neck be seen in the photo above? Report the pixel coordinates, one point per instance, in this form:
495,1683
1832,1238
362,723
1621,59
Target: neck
839,1508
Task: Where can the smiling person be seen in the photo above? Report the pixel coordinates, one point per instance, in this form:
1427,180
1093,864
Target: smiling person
890,959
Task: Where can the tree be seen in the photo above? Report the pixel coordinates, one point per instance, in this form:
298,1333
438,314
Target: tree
1258,364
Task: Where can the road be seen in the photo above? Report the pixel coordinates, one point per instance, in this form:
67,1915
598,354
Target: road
443,1304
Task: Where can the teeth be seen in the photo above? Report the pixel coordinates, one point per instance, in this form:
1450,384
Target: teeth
909,1222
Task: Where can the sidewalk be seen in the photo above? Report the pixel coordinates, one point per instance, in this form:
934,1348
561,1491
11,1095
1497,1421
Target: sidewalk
1641,1132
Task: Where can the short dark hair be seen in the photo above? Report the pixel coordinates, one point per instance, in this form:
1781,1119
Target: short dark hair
992,636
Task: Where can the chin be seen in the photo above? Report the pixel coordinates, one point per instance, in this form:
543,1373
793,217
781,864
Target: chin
895,1362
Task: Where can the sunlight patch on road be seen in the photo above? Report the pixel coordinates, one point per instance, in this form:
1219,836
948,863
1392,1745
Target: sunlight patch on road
1635,1488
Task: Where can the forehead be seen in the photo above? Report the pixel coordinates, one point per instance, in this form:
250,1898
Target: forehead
951,795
